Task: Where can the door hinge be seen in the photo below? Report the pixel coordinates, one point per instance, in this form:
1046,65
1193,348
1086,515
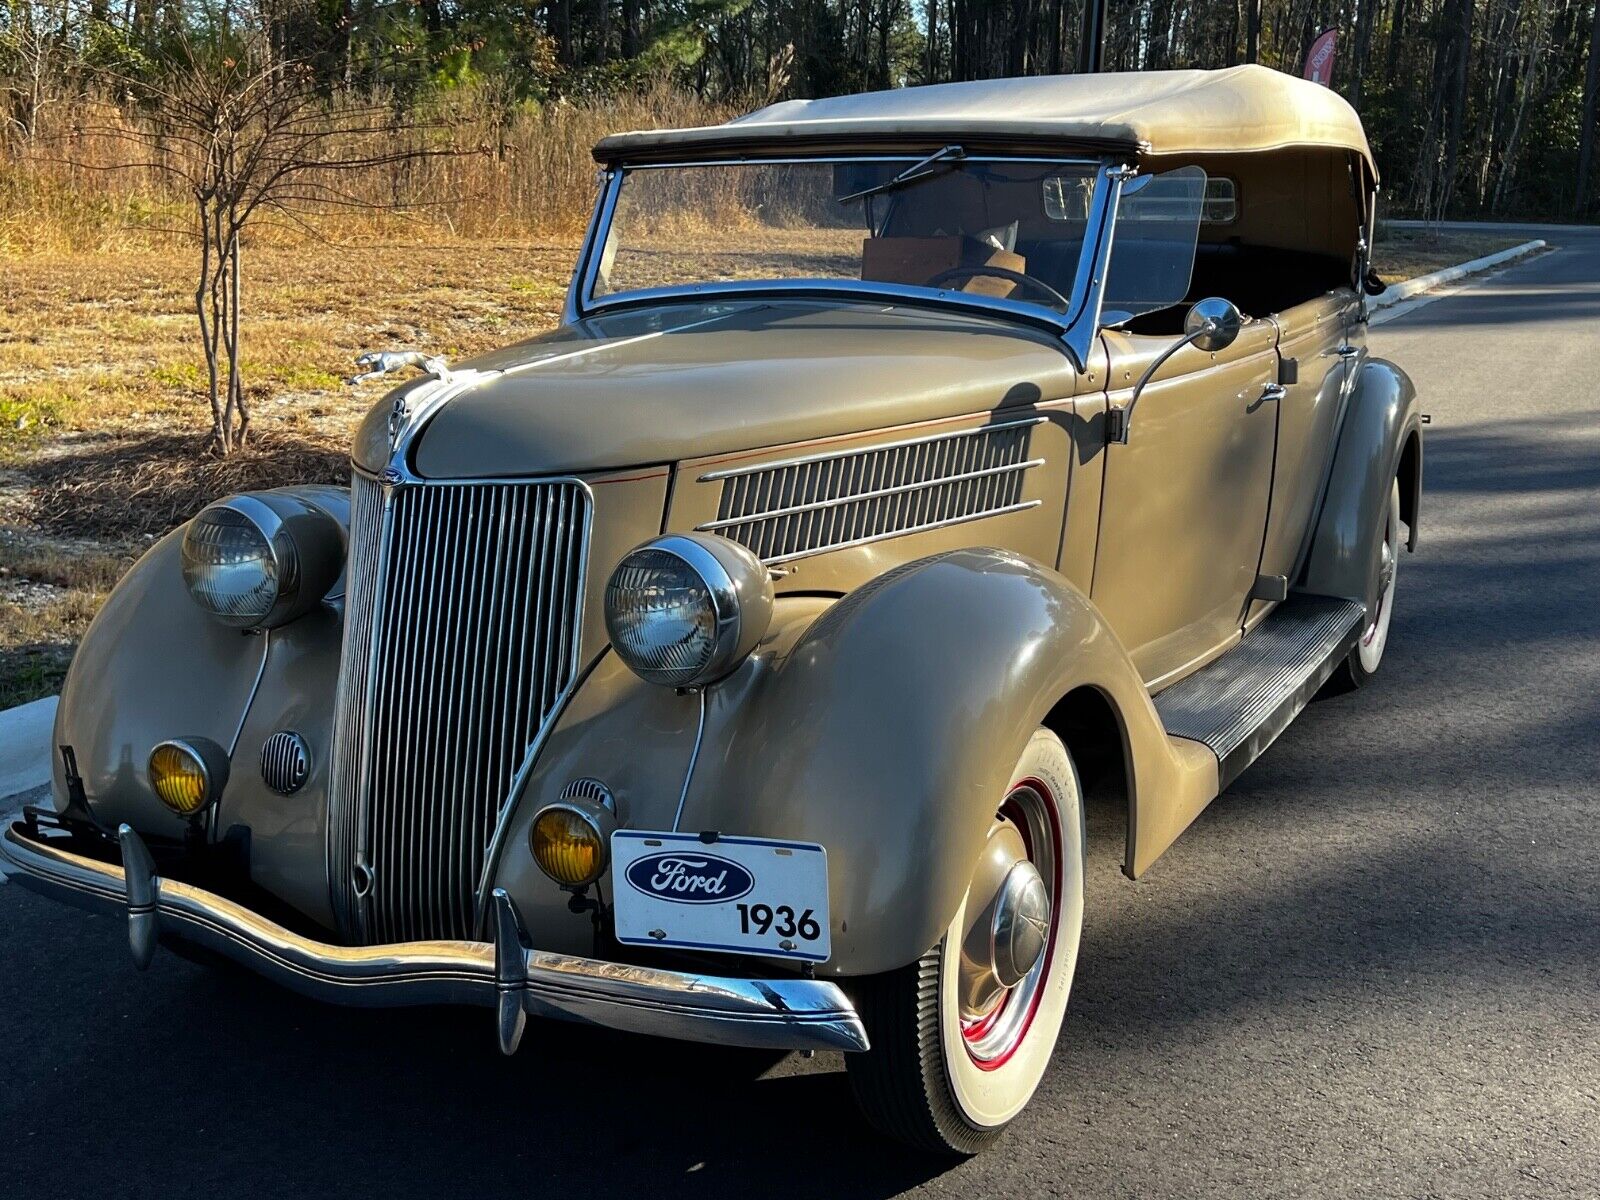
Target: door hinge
1270,587
1116,426
1288,370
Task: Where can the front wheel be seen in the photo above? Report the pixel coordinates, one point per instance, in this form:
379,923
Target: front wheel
962,1037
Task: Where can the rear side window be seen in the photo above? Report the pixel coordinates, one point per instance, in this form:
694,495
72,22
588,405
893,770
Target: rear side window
1221,205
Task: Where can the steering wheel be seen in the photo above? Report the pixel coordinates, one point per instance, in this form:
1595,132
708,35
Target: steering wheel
1016,277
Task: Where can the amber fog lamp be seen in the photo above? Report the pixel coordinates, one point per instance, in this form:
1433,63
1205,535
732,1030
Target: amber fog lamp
571,841
187,774
686,609
259,560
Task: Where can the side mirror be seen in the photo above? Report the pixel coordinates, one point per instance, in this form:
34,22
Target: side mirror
1213,323
1372,284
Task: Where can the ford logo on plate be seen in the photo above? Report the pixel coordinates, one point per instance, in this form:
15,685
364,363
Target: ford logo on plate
690,878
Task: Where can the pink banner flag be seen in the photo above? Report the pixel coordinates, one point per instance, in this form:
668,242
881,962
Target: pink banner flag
1319,59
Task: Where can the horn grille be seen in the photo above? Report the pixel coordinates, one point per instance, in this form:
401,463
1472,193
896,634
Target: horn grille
285,762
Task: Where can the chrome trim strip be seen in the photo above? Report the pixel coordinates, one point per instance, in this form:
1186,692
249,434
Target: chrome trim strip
871,448
894,533
899,489
784,1013
758,161
861,291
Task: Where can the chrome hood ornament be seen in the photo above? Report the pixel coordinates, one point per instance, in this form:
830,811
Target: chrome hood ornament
383,362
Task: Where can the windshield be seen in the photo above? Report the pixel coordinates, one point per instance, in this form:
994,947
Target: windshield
998,228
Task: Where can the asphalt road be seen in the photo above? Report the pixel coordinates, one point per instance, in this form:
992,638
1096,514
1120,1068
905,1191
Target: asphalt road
1371,968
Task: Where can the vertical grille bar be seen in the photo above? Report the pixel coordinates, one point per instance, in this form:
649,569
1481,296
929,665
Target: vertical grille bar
461,642
350,708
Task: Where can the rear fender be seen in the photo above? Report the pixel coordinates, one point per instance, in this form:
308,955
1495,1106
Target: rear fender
1382,427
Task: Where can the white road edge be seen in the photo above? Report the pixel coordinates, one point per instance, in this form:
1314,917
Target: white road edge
25,731
1412,294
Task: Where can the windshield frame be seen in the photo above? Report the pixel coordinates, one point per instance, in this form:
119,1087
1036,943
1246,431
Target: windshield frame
1076,327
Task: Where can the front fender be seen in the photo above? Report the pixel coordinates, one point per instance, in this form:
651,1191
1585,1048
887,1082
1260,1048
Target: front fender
890,733
885,731
153,665
1382,419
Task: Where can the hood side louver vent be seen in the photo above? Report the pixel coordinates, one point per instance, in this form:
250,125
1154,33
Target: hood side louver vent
804,506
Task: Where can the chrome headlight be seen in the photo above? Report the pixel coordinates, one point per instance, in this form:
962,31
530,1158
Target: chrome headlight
684,610
260,560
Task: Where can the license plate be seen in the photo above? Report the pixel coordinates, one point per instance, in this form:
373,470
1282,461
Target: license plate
735,895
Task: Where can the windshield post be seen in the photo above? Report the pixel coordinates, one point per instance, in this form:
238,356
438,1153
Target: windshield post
587,267
1083,321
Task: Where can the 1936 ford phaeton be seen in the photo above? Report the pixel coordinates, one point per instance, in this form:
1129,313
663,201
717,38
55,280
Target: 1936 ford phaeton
719,665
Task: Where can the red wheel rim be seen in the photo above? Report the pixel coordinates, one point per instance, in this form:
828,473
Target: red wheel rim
977,1033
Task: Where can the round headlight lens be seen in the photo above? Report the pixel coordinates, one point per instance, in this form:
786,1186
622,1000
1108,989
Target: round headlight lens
662,617
231,567
686,609
180,777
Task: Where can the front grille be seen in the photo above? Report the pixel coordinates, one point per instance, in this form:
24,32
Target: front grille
789,510
461,639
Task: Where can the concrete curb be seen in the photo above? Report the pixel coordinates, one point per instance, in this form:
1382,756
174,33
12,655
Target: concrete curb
1424,283
25,747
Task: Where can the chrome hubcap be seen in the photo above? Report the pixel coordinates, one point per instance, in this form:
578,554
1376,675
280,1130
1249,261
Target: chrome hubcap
1021,924
1387,564
1005,946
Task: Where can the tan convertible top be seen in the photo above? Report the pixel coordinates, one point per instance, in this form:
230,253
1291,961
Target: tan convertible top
1143,113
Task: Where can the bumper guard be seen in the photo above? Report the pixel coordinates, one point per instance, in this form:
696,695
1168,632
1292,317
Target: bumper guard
778,1014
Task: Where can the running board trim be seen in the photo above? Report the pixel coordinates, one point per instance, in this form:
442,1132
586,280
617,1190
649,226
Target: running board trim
1239,704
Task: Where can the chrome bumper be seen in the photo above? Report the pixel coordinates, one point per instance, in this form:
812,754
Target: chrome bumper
780,1014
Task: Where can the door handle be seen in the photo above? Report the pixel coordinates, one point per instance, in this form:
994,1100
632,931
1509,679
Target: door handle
1274,391
1349,351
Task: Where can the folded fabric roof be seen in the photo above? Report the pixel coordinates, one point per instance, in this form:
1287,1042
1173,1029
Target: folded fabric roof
1140,113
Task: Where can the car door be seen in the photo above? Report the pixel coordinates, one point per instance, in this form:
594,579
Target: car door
1313,352
1184,502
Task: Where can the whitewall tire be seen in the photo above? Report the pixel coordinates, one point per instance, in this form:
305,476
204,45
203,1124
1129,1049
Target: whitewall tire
1367,654
962,1037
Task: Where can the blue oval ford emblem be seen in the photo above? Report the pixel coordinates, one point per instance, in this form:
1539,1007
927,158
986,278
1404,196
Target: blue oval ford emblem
688,877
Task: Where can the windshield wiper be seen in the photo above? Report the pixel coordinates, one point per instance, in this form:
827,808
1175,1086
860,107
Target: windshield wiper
917,170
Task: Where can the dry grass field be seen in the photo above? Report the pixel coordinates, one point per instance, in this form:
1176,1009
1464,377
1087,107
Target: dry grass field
102,410
103,416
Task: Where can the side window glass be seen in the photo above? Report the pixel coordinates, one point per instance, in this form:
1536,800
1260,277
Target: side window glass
1066,197
1153,242
1222,201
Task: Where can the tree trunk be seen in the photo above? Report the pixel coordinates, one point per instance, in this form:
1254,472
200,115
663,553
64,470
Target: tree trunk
1591,94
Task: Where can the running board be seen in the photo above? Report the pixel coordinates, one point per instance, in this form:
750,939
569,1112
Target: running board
1239,704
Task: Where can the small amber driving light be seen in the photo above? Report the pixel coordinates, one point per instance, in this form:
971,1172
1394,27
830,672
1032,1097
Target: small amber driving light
571,841
187,775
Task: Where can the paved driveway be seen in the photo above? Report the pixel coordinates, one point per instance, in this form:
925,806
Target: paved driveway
1371,968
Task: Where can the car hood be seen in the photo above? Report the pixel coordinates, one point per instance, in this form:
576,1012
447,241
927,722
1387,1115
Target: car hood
682,381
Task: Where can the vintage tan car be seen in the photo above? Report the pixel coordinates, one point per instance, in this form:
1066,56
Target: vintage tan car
723,665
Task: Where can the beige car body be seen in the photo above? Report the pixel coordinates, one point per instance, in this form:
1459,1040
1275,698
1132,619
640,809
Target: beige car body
900,677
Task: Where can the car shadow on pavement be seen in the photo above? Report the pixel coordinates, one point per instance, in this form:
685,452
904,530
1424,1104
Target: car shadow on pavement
191,1081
